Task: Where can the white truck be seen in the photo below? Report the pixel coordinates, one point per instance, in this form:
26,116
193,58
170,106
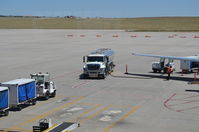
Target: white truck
45,87
98,63
161,66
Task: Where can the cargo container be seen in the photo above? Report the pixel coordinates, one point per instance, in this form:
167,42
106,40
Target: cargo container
4,101
22,91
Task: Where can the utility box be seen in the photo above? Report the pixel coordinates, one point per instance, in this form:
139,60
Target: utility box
4,101
21,91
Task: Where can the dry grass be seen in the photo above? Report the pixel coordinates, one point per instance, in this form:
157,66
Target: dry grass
186,24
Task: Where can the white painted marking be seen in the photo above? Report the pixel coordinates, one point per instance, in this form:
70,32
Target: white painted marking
112,112
66,115
106,118
75,109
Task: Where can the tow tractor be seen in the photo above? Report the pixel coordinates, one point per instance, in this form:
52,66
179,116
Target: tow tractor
45,87
161,66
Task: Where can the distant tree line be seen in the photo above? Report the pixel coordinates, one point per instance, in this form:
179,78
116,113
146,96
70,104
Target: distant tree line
36,16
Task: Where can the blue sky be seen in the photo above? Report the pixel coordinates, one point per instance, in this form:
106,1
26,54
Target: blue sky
100,8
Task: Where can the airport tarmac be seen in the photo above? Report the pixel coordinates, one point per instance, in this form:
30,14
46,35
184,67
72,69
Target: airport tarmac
140,101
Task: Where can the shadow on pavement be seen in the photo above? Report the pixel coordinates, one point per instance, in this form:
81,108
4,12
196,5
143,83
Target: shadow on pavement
160,76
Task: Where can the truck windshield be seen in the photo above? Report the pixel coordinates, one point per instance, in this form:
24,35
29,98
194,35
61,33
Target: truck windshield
95,59
39,79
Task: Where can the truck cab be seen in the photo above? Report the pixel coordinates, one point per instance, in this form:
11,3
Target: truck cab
45,87
95,66
98,64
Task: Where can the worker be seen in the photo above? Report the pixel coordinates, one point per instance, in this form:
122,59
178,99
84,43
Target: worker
169,70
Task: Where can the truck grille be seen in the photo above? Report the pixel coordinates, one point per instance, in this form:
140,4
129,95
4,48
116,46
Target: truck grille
93,66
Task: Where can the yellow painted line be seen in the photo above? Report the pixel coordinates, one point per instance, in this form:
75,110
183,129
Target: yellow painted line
97,113
92,104
47,113
45,102
21,129
86,112
122,106
123,117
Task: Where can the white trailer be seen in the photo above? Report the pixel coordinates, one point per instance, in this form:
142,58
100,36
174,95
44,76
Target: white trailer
4,101
187,65
98,63
21,91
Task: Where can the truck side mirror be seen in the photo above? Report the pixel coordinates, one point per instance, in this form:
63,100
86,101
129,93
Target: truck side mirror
84,59
107,59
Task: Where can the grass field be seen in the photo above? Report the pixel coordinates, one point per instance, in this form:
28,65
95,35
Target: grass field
165,24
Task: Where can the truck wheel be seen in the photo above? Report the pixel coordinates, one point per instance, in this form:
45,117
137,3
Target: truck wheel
47,96
6,113
103,76
53,94
154,70
19,107
34,102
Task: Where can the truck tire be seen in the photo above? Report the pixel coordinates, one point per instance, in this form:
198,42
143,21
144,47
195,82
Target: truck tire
19,108
53,94
34,102
6,113
155,70
47,96
103,76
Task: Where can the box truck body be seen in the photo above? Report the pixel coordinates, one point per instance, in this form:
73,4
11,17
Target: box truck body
4,100
21,91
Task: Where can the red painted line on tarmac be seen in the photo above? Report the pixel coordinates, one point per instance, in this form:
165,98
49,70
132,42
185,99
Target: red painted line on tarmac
147,36
196,37
70,35
82,35
165,102
98,35
186,97
185,102
183,37
195,107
